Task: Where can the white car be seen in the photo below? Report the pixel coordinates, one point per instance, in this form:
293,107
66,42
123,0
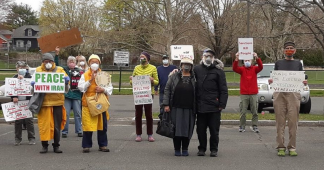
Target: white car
265,97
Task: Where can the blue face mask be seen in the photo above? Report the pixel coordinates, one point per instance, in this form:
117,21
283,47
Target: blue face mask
247,64
22,72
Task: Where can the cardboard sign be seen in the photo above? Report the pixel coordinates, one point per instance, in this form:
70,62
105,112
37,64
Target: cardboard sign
75,78
180,51
121,58
245,46
12,111
49,83
142,90
17,87
62,39
287,81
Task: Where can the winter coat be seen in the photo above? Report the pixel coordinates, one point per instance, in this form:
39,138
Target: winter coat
248,83
211,87
147,70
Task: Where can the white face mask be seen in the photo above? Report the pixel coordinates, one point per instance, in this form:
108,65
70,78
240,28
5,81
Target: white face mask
48,66
165,61
22,72
247,64
82,63
94,66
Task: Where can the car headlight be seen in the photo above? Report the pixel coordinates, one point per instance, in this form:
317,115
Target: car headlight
263,87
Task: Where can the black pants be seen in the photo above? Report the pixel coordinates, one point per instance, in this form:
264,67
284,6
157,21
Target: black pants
211,120
177,143
30,128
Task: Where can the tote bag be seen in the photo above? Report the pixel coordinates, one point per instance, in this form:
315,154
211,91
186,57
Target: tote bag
97,104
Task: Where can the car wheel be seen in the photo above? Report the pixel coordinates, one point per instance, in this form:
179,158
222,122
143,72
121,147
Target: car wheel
260,108
306,108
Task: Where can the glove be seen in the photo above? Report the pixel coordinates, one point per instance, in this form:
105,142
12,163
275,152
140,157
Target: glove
32,83
66,79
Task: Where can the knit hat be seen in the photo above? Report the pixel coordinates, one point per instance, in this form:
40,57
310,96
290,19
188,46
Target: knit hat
289,43
146,55
186,60
48,56
94,56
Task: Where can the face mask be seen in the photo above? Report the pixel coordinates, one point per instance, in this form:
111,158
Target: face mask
289,53
22,72
186,68
208,61
94,66
143,61
166,61
71,65
82,63
48,66
247,64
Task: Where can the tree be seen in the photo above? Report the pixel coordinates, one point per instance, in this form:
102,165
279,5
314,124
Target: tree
4,9
21,14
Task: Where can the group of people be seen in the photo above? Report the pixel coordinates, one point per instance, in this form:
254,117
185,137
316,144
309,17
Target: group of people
193,95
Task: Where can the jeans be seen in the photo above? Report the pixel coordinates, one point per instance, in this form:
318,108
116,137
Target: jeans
76,104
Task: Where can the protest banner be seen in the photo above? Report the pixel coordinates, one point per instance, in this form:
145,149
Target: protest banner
62,39
287,81
75,78
142,90
245,46
12,111
49,83
17,87
180,51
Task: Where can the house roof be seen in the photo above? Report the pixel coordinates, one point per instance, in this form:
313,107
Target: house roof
3,37
20,32
5,32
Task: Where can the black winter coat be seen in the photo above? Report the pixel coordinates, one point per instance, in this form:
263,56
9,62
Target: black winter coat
211,88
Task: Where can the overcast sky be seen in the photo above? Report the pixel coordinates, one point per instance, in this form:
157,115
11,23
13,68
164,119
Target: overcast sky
35,4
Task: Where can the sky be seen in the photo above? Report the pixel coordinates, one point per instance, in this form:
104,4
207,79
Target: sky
35,4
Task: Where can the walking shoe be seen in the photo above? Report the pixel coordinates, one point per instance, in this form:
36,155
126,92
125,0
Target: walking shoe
86,150
44,150
281,152
177,153
241,129
64,135
138,138
292,153
151,139
32,141
201,153
213,154
17,142
80,135
185,153
255,129
104,149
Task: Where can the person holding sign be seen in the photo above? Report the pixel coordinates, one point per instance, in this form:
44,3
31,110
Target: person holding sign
179,99
287,104
91,123
73,97
52,115
248,90
145,69
22,69
212,94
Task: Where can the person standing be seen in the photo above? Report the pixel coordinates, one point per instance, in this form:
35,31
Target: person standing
287,104
22,69
212,94
82,63
179,99
163,73
145,69
248,90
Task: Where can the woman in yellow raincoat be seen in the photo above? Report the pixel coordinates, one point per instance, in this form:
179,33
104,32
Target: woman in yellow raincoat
88,86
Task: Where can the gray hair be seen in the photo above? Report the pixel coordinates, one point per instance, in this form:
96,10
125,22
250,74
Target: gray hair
71,58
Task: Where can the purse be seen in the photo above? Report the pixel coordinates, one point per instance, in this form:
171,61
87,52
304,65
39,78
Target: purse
165,126
97,104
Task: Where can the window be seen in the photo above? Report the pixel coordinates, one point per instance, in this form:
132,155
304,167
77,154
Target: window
30,32
19,43
28,43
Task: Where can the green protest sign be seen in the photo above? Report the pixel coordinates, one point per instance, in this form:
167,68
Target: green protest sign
49,82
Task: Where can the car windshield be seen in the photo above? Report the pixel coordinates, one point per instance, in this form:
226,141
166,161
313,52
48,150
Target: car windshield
266,71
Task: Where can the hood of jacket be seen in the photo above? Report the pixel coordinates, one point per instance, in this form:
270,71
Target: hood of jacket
217,63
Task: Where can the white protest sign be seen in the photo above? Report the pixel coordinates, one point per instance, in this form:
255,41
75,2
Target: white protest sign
287,81
180,51
142,90
49,82
245,46
17,87
12,111
121,58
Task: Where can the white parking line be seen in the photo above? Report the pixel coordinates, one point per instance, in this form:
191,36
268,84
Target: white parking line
6,133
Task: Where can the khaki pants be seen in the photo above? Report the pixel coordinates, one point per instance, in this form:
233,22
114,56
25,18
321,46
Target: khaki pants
246,101
286,106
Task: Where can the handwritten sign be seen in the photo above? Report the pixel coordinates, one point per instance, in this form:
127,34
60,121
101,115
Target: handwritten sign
49,83
245,46
142,90
287,81
75,78
12,111
17,87
180,51
62,39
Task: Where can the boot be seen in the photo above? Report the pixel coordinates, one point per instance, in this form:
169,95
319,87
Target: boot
56,148
45,147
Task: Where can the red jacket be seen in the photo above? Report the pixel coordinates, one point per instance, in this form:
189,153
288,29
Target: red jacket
248,84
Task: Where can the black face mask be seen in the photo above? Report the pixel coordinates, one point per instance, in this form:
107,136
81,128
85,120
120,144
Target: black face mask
186,68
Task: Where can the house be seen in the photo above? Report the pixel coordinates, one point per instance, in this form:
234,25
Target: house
5,39
25,38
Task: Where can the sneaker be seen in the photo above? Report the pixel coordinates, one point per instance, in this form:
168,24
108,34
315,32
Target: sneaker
213,154
86,150
292,153
64,135
17,142
138,139
32,141
255,129
201,153
80,135
281,152
241,129
185,153
151,139
177,153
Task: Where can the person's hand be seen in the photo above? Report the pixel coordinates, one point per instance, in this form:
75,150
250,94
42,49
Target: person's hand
20,77
174,71
237,56
93,75
156,93
166,109
67,79
32,83
15,100
130,77
220,109
57,50
270,81
151,79
99,89
255,55
305,82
